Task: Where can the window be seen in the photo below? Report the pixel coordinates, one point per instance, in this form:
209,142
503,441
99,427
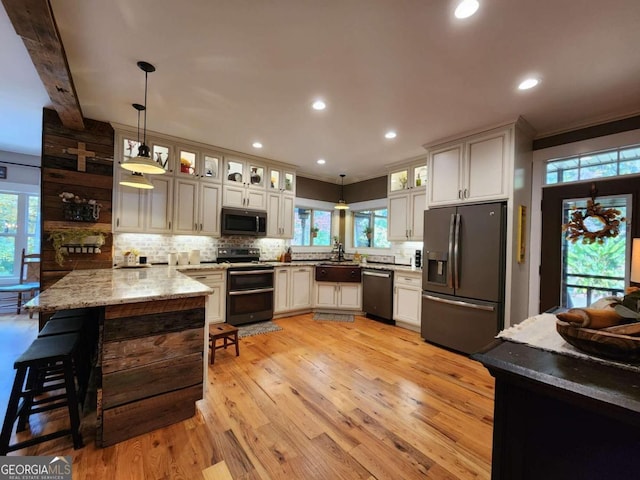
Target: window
370,229
312,227
612,163
19,228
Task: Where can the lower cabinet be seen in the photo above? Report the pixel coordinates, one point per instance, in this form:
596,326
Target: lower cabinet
338,295
215,306
292,289
407,300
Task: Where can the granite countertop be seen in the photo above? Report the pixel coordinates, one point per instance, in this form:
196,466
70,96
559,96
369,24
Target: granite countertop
95,288
298,263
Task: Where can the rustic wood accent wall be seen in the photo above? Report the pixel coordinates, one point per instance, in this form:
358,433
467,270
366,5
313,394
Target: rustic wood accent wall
61,172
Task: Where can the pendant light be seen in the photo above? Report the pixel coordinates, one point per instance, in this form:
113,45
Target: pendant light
143,163
341,205
136,179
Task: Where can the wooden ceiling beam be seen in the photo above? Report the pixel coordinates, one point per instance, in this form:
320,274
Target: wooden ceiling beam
33,21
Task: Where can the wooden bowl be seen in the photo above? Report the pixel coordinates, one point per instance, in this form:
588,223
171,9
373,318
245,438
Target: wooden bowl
616,343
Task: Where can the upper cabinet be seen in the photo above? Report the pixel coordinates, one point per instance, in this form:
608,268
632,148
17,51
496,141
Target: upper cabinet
406,200
473,169
282,181
407,177
198,181
244,184
198,164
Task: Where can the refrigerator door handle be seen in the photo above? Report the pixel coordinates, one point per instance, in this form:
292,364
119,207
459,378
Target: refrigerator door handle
456,252
452,224
458,303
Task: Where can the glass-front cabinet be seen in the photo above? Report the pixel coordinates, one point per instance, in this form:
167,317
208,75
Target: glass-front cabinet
211,163
405,178
196,164
162,155
281,181
244,172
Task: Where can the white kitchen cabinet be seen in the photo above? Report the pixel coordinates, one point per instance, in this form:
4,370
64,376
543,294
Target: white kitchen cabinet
406,215
238,181
406,200
129,209
159,209
143,211
293,287
198,164
243,196
301,287
407,300
472,170
406,177
244,184
338,296
216,302
281,181
280,215
196,207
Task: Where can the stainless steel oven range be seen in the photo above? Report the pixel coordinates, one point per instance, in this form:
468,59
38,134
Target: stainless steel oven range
249,286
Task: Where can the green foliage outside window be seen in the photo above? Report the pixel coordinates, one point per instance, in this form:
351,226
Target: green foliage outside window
312,227
370,229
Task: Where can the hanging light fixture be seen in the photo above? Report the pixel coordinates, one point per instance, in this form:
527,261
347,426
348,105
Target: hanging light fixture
341,205
136,179
143,163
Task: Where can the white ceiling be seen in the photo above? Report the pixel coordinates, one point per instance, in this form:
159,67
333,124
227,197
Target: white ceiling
232,72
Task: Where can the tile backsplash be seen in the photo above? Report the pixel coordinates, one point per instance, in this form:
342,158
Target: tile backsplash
157,247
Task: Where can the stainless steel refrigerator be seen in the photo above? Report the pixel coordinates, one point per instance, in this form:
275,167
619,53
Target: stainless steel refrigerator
463,275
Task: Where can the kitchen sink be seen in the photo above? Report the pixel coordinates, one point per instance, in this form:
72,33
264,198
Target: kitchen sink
338,272
338,263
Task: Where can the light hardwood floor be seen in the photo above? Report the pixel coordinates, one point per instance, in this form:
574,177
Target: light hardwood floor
317,400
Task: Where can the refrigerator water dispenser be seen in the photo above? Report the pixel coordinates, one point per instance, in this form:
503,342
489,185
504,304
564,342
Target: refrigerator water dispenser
437,268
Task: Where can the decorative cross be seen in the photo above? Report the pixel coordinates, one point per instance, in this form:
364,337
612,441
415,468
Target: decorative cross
82,154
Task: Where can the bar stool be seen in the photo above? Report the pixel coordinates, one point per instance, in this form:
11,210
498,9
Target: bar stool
77,325
44,356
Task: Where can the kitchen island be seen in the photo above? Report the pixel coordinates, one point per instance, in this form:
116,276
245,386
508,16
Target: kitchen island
151,343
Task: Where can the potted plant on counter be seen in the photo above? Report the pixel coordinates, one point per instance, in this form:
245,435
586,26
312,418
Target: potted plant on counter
314,231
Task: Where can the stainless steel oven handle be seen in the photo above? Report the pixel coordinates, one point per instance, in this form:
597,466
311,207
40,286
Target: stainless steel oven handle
457,303
250,272
251,292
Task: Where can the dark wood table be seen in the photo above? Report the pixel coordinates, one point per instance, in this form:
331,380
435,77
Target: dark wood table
560,417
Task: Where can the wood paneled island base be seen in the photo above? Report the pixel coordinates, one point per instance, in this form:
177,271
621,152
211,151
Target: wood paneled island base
150,366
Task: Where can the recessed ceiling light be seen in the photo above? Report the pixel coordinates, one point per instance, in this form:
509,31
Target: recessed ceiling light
321,161
528,83
257,145
390,134
319,105
466,8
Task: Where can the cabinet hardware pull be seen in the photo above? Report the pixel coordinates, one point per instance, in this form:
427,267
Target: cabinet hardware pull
169,225
460,194
466,193
117,222
200,227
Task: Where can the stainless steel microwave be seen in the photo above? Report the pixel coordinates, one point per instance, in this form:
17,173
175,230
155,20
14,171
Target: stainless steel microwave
238,221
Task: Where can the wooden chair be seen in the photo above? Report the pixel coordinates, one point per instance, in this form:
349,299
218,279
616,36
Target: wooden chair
29,278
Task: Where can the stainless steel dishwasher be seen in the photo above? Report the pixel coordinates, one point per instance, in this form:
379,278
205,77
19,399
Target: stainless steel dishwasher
377,293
